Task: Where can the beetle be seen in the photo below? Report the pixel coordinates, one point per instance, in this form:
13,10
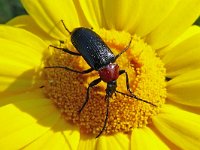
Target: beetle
100,58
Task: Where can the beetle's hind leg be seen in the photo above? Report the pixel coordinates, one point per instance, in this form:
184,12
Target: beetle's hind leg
62,42
66,50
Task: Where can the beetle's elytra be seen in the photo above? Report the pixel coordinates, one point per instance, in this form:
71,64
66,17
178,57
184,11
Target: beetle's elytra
92,48
100,58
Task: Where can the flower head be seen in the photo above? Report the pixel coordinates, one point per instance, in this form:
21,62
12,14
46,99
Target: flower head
40,106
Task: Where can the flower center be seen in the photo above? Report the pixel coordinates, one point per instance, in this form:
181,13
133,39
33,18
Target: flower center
68,89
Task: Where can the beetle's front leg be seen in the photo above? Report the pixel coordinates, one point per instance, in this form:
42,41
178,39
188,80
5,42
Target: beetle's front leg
127,80
128,88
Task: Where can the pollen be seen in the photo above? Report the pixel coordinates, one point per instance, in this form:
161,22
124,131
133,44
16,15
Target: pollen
68,89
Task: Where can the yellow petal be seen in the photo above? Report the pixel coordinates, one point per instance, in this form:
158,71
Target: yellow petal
151,14
190,32
10,86
42,142
93,12
120,14
87,143
183,57
55,138
145,138
21,53
181,127
118,141
48,15
27,23
24,38
180,18
24,118
184,89
70,133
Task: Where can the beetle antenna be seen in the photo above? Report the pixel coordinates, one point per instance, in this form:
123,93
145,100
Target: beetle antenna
106,119
66,27
139,99
125,49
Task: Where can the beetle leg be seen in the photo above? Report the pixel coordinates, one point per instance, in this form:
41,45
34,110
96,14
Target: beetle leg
125,49
66,50
93,83
76,71
134,96
106,119
127,81
128,88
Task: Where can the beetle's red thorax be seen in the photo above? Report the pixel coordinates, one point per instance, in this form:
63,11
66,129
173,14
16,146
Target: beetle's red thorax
109,72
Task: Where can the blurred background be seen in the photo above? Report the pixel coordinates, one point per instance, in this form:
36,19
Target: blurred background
12,8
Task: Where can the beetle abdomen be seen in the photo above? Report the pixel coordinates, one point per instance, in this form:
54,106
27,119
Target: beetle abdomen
92,48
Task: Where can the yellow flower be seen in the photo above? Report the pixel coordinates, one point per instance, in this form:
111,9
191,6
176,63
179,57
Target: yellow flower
39,106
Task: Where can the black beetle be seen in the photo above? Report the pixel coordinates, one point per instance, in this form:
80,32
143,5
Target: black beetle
100,58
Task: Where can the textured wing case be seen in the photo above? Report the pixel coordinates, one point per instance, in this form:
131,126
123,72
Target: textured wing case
92,48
